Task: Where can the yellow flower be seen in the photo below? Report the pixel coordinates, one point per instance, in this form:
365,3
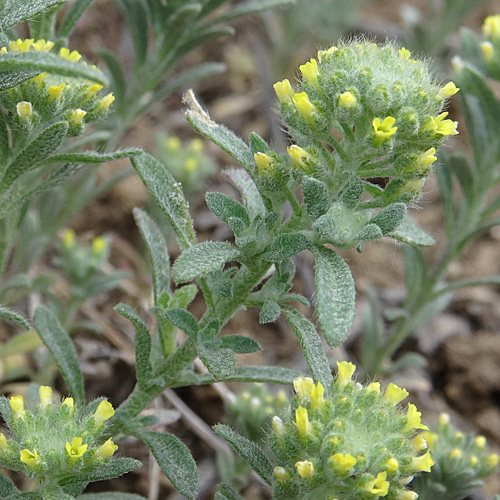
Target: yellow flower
325,54
191,164
39,79
492,460
413,419
99,245
419,443
4,50
106,102
449,89
24,109
43,45
379,486
104,411
491,27
426,159
480,442
76,449
106,450
94,89
68,238
31,459
342,463
345,372
196,145
277,426
473,460
373,387
304,106
488,50
404,54
3,442
284,90
21,45
77,116
395,394
391,465
55,91
383,129
422,463
69,402
302,421
298,156
74,56
45,395
173,144
455,454
281,474
441,126
309,71
407,495
17,406
347,100
303,386
305,469
263,162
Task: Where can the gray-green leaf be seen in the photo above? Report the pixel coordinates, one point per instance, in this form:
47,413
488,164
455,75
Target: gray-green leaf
409,232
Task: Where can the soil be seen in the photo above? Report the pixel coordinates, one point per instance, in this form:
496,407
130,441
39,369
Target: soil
462,345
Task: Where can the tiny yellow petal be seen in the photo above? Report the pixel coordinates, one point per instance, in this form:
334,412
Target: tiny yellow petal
106,101
263,162
347,100
24,109
391,465
104,411
480,442
455,454
45,395
379,486
304,106
17,406
342,463
305,469
302,421
404,54
422,463
413,419
173,144
373,387
196,145
303,386
345,371
419,442
395,394
107,449
99,246
488,50
449,89
281,474
69,402
491,27
309,71
68,238
444,420
492,460
191,164
407,495
3,442
283,90
30,458
77,116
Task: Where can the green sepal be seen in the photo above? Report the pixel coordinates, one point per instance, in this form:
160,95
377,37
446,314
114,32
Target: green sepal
225,207
184,320
10,315
316,197
239,344
252,200
311,344
269,312
248,450
335,295
390,217
168,195
62,349
203,258
15,14
175,460
144,371
286,246
409,232
158,253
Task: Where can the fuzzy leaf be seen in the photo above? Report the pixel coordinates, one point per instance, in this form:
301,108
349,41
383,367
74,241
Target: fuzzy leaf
335,295
252,200
115,69
201,259
175,460
183,296
158,253
311,345
248,450
240,344
13,316
286,246
110,495
270,312
225,207
73,14
390,217
114,468
93,156
168,195
409,232
227,492
144,372
62,349
7,487
18,12
221,363
184,320
316,197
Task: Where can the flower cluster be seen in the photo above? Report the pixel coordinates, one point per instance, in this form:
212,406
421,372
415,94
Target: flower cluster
54,439
462,460
48,98
369,111
490,46
354,442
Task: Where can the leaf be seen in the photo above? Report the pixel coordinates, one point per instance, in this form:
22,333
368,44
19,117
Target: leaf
168,195
144,372
221,363
227,492
252,200
118,79
311,345
93,156
175,460
390,217
158,253
254,455
184,320
240,344
416,271
7,487
39,62
269,312
409,232
183,296
218,134
225,207
250,7
72,15
286,246
20,343
10,315
114,468
335,295
35,152
316,197
60,346
201,259
466,175
110,495
18,12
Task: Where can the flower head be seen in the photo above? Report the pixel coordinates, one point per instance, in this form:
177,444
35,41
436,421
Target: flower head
104,411
491,27
30,458
383,130
305,469
76,449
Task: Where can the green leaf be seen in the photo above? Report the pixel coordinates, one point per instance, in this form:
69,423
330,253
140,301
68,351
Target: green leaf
158,253
221,363
416,271
53,491
183,296
316,197
184,320
269,312
72,15
18,12
254,455
201,259
390,217
218,134
250,7
227,492
175,460
144,372
168,195
20,343
240,344
35,152
252,200
13,316
94,156
286,246
466,175
60,346
409,232
7,487
118,78
225,207
311,345
109,470
335,295
110,495
39,62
